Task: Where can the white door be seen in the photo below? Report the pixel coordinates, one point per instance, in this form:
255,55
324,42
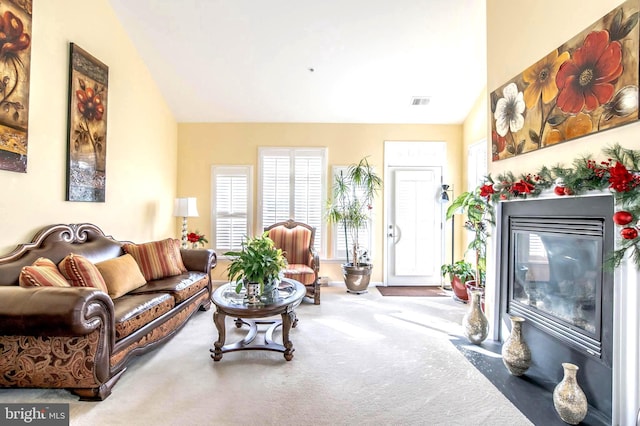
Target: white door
414,228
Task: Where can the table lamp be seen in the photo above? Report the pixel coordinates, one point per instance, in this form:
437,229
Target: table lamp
185,207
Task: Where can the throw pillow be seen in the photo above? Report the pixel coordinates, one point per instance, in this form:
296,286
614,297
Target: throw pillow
156,259
81,272
42,273
178,256
121,275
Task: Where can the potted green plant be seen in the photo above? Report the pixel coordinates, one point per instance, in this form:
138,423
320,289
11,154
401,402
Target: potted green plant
350,207
459,273
258,261
479,217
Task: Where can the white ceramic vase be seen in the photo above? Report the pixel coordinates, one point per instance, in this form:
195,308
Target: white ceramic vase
569,400
516,354
474,323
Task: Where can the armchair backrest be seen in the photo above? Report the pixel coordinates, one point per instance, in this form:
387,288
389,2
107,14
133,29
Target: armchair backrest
294,238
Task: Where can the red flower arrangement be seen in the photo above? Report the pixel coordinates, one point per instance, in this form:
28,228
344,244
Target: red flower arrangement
197,238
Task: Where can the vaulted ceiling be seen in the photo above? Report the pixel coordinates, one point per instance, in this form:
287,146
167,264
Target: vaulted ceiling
329,61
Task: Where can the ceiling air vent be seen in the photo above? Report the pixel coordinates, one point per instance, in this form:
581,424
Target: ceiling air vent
420,100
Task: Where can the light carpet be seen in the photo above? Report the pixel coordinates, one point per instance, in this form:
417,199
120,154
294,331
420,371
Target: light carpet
359,360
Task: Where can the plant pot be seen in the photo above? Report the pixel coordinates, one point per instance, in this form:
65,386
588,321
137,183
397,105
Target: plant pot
459,289
357,278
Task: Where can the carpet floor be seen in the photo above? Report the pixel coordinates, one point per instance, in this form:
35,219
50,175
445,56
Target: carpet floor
359,360
413,291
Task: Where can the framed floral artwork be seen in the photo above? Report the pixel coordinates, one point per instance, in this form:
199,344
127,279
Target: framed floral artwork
87,132
15,67
587,85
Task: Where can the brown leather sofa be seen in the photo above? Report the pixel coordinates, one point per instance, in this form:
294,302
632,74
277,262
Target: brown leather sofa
80,338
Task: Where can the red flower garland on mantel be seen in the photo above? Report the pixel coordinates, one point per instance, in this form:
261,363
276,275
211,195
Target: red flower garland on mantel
620,174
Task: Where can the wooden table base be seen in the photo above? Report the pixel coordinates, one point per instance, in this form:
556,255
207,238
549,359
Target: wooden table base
288,321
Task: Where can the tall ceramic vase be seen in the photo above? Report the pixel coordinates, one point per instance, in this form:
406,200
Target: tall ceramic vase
568,398
474,324
516,354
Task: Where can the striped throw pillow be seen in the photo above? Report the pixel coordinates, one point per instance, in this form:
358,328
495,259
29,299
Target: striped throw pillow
81,272
156,259
42,273
178,256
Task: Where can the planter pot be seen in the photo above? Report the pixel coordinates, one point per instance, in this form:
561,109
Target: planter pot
459,289
357,278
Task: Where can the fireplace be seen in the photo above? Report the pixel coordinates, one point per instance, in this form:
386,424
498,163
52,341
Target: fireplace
551,273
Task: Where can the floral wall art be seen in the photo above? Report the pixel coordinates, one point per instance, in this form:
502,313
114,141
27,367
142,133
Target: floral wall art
15,65
87,148
586,85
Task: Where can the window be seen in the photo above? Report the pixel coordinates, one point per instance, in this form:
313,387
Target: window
232,195
292,186
364,240
476,164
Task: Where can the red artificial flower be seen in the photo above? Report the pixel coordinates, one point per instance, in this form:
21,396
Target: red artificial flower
620,178
192,237
586,80
522,187
486,190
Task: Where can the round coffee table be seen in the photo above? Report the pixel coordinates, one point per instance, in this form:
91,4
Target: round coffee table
228,302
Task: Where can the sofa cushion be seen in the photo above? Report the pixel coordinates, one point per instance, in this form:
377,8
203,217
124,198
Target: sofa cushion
42,273
181,287
132,312
81,272
121,275
157,259
302,273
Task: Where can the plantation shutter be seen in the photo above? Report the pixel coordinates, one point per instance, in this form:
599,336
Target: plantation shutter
293,187
231,206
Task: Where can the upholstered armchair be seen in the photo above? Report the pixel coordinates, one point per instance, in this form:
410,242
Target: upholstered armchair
296,241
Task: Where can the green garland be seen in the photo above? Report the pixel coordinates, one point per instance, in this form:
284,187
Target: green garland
619,173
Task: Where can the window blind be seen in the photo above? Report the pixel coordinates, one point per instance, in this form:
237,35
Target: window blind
231,206
292,186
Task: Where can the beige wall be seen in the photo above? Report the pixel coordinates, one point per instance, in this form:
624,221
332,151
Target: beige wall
204,145
141,135
515,43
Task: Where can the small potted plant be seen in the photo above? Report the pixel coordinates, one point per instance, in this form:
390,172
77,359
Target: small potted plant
480,216
258,261
459,273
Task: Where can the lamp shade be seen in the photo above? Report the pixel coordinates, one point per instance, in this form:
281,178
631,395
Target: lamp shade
185,207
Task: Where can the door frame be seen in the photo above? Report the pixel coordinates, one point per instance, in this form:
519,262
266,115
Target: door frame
409,154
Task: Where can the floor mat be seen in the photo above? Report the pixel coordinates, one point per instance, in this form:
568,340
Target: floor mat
422,291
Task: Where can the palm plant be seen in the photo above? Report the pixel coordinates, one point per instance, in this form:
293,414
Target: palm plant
351,203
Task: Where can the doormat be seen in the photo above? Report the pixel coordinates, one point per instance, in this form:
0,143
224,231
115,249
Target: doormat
423,291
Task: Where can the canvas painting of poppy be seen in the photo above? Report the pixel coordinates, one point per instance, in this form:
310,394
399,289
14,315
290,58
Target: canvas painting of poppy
587,85
15,68
87,133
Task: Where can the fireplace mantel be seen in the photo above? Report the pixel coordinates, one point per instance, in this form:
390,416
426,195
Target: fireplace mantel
626,322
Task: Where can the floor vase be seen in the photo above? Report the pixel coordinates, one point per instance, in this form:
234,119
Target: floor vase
474,323
516,354
569,400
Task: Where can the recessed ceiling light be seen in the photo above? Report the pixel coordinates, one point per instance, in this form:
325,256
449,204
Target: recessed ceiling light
420,100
